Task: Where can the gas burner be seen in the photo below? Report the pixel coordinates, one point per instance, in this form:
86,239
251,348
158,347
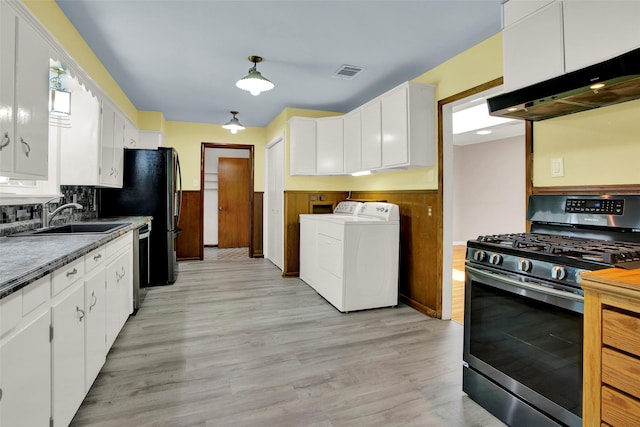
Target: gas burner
595,250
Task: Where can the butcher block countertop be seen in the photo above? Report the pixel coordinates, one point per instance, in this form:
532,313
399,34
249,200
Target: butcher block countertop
624,282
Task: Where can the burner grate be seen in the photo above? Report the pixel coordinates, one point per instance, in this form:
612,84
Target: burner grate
596,250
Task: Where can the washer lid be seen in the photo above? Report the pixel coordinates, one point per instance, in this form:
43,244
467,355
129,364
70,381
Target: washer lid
348,208
381,211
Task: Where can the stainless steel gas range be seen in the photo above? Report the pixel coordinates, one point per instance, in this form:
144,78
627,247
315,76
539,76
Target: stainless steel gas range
523,324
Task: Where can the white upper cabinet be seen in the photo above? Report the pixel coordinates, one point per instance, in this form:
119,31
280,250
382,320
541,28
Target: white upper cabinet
371,142
398,128
352,142
111,147
302,141
330,145
131,135
597,30
533,47
24,88
394,130
543,39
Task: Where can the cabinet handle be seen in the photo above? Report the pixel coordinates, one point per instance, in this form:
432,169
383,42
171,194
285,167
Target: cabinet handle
81,311
97,257
25,147
72,272
0,394
120,276
94,300
5,141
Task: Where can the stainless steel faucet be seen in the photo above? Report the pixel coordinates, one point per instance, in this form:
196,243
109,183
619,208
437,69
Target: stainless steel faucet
48,216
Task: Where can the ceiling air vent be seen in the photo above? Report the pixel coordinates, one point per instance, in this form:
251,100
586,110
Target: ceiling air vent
348,72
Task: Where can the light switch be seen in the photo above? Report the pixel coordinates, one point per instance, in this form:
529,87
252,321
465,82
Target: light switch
196,184
557,167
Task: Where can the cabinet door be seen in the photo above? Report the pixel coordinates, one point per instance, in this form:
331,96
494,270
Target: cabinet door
395,134
107,172
352,151
7,73
130,135
598,30
330,145
95,327
68,319
302,144
119,282
533,48
371,135
25,376
118,150
32,115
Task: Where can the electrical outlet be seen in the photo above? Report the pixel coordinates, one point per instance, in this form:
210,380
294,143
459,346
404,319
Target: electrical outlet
557,167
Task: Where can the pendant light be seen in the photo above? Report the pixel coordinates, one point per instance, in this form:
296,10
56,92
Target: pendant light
234,124
254,82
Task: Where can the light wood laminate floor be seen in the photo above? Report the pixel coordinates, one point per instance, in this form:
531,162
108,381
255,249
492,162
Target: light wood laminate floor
457,292
232,343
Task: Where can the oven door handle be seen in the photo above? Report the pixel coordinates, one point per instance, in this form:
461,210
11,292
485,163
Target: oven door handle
528,286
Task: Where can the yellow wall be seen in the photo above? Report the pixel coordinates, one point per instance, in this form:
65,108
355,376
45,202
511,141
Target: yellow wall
51,16
450,77
187,138
599,147
151,120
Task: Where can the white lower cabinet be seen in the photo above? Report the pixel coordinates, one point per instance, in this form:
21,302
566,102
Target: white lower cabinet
68,318
119,285
95,325
25,375
55,334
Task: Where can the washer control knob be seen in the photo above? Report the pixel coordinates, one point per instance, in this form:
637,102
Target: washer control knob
524,265
495,259
480,256
558,273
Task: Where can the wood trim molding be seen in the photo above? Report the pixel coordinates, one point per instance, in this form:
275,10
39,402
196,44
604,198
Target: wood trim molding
588,189
251,148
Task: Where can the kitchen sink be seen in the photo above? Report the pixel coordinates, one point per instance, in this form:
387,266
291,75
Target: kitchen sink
76,228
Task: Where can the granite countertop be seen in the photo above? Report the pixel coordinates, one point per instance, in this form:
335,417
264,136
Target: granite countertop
25,258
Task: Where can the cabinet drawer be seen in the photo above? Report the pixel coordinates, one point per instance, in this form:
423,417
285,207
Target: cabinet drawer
621,371
116,246
619,409
621,330
94,259
10,312
35,294
67,275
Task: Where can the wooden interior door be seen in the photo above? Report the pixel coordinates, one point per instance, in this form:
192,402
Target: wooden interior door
233,202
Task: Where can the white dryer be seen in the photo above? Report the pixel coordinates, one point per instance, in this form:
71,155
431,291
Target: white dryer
352,260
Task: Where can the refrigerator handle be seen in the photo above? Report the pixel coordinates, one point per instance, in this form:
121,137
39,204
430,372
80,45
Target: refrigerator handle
179,189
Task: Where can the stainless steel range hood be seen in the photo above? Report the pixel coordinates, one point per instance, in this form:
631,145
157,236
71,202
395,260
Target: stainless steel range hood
573,92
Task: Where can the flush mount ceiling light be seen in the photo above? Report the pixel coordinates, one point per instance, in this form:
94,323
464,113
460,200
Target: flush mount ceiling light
253,82
234,124
59,99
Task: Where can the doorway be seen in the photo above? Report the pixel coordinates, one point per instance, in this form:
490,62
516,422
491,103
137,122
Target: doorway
484,184
226,180
274,202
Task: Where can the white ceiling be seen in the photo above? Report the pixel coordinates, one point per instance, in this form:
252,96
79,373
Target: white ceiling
183,57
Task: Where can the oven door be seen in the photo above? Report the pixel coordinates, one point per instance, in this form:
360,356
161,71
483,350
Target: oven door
526,338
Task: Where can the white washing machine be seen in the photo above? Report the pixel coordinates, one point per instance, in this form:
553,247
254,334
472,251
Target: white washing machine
352,260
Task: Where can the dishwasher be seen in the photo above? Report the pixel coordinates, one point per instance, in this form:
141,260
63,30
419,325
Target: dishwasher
140,265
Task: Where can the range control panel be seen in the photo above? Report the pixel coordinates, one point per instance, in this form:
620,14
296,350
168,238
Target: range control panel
595,206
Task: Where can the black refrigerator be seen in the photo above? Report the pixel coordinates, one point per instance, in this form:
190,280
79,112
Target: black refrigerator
152,186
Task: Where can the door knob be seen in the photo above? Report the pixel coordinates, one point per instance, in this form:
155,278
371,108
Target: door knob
219,208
